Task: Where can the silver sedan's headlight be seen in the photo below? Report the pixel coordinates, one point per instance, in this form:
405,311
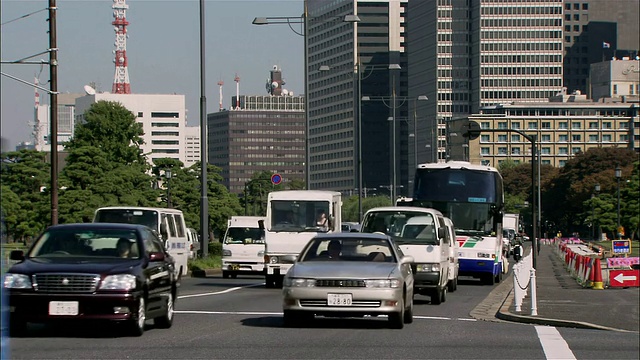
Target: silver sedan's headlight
17,281
383,283
119,282
431,267
299,282
226,252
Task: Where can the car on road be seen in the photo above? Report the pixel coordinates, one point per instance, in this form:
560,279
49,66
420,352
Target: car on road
349,275
118,273
350,227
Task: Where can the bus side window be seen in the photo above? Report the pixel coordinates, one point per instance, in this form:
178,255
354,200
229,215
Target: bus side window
179,227
172,226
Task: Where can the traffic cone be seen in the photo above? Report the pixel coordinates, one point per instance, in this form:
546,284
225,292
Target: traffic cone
597,275
589,270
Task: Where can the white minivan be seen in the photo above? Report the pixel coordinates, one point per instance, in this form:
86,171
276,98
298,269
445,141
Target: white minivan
169,223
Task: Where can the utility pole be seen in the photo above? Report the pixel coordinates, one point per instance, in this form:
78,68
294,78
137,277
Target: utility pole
53,110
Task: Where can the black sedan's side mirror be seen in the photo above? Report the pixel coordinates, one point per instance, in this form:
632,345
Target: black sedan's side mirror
16,255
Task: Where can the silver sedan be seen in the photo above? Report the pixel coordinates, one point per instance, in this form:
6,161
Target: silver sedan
349,275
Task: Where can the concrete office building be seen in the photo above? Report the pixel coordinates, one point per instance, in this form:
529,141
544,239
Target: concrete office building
259,133
595,31
42,122
334,102
163,119
191,145
615,79
467,55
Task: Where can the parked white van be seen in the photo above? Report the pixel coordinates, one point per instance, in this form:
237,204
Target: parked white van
243,247
169,223
194,243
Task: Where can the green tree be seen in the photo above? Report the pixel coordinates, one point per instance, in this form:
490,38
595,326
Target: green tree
105,166
25,174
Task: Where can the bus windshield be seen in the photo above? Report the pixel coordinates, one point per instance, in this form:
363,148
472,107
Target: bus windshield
128,216
471,198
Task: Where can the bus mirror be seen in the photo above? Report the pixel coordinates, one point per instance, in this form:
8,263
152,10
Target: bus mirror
330,223
441,233
261,225
163,231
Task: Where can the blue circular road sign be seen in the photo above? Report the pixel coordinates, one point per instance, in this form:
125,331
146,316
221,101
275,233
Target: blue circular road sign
276,179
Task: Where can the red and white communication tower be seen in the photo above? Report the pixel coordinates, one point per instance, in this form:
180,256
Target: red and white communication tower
220,83
237,80
121,80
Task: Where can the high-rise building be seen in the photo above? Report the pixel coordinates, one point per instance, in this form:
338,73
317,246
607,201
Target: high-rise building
163,119
595,31
259,133
192,145
377,43
467,55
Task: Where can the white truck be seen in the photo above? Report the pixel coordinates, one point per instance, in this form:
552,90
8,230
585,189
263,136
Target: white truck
168,223
422,233
293,218
243,247
510,231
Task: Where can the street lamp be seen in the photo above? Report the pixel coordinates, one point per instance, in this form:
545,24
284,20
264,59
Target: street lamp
167,175
304,20
393,99
415,129
618,176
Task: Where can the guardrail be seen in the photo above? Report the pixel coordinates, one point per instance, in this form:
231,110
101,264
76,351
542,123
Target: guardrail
524,279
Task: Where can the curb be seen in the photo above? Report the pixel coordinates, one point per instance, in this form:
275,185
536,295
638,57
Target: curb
204,273
504,314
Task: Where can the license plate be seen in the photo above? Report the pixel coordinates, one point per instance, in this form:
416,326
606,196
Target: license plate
234,267
339,299
63,308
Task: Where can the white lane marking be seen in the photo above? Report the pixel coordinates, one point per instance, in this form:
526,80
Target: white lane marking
226,312
553,344
219,292
198,312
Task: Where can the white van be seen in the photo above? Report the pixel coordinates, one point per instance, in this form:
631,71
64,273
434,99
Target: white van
454,265
194,243
169,223
243,247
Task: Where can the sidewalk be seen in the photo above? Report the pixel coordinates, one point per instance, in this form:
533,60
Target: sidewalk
561,301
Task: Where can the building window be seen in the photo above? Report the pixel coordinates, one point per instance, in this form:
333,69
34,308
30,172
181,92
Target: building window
585,6
165,115
593,138
576,125
140,114
485,151
631,89
156,124
563,151
546,125
606,125
165,142
502,138
615,89
515,151
576,17
606,138
576,6
502,125
562,163
576,138
545,151
576,150
515,125
563,138
484,138
502,151
515,138
485,125
562,125
593,125
532,125
546,138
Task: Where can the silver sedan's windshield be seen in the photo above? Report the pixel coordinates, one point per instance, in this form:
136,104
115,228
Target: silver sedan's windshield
350,249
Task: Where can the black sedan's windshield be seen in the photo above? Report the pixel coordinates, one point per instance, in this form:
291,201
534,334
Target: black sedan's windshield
87,243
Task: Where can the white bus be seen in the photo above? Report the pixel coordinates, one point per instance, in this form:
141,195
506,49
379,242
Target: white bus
169,223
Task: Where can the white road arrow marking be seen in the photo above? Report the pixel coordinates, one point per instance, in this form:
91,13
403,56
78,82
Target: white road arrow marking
621,278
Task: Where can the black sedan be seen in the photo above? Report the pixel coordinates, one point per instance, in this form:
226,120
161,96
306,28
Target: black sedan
92,272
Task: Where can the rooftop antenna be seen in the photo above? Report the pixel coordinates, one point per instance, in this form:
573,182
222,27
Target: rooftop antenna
237,80
121,79
220,83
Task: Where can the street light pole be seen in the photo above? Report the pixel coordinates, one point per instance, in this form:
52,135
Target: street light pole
53,110
167,174
393,140
618,176
204,201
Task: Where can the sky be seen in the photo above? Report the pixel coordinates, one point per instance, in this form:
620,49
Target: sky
163,51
